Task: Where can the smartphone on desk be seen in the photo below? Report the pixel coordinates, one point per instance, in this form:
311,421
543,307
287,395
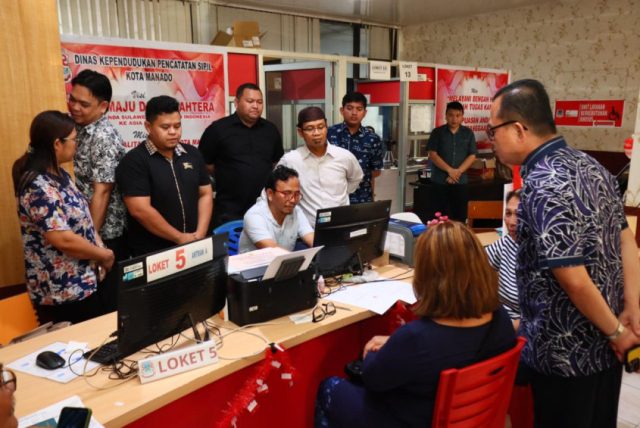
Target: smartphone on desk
74,417
632,359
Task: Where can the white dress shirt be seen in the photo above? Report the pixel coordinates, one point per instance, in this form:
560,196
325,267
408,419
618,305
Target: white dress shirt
325,181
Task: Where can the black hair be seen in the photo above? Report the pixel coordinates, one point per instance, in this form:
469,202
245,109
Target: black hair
354,97
512,194
244,86
46,128
527,101
280,173
97,83
162,104
309,114
454,105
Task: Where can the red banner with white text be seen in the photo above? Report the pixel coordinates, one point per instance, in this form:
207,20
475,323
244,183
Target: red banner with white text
474,89
137,74
591,113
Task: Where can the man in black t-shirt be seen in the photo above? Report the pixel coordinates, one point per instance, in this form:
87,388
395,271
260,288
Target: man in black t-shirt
164,184
240,151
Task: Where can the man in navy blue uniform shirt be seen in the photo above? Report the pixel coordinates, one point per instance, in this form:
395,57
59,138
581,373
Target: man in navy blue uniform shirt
364,144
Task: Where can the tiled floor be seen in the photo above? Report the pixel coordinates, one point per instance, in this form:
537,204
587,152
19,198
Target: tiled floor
629,407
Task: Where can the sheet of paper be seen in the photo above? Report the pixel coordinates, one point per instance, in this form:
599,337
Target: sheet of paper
377,297
421,118
394,244
53,411
27,364
254,259
308,255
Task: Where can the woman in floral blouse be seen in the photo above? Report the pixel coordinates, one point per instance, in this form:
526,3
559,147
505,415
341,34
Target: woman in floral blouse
61,251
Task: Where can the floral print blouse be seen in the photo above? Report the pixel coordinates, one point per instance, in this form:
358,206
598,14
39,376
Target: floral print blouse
54,203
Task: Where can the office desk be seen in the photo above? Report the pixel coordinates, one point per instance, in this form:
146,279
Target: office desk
198,397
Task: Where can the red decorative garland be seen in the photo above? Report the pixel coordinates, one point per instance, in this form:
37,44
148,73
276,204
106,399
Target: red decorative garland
246,399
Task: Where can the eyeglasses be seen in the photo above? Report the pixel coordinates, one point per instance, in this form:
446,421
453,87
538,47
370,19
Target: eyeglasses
69,139
8,379
288,195
311,129
323,310
491,130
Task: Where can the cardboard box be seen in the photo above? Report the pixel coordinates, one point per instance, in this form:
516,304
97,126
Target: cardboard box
246,34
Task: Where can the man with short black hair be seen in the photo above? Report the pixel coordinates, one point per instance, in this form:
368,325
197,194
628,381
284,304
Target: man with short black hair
276,220
452,150
363,143
99,150
328,173
578,271
240,150
165,184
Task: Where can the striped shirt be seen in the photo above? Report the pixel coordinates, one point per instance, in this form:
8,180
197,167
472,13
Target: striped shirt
502,257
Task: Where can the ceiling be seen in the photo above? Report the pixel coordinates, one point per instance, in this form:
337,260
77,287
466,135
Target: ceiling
386,12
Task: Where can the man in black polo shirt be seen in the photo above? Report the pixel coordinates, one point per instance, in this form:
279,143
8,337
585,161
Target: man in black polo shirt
452,150
240,151
165,184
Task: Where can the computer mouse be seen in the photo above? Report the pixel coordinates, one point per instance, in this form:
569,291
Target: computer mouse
49,360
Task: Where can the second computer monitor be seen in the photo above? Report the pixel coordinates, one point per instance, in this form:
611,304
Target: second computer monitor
352,236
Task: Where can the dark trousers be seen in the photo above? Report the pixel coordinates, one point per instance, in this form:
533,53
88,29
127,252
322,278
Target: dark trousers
108,288
74,312
451,200
586,401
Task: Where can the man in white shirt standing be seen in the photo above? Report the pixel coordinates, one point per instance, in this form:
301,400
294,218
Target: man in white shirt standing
276,220
328,173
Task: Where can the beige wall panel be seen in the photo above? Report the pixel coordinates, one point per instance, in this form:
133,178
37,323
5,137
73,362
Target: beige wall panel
30,81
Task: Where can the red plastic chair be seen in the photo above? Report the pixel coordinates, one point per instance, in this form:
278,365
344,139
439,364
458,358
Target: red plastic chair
477,395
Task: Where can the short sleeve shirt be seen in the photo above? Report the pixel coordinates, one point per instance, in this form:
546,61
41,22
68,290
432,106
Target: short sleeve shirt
367,148
453,149
570,214
243,158
173,186
52,203
502,257
99,150
259,225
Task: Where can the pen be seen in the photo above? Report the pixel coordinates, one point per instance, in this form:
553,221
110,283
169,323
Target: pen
342,307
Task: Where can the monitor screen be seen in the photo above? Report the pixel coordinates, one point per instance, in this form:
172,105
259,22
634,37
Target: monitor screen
352,236
164,293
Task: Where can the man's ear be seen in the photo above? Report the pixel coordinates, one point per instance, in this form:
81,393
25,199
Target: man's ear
104,106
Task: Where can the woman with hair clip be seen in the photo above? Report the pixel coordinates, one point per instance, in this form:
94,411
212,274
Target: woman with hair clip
61,251
461,322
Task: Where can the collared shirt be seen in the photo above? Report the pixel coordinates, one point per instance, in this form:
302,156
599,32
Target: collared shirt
325,181
259,224
52,203
99,150
367,148
453,149
502,257
243,158
570,214
173,186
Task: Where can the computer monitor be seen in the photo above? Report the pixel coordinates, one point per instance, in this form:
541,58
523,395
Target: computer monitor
155,301
352,236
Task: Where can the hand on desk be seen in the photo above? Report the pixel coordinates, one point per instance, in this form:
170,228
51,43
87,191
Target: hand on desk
374,345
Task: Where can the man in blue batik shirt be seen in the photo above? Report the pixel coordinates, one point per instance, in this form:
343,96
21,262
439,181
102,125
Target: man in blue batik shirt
577,268
364,144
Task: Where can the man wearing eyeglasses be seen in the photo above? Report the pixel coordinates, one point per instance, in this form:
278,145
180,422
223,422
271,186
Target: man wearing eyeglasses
276,220
452,150
328,173
99,150
7,400
578,271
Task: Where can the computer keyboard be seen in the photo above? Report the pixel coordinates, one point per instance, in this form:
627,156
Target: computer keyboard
106,354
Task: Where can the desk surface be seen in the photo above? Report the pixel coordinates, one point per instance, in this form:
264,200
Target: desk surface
120,404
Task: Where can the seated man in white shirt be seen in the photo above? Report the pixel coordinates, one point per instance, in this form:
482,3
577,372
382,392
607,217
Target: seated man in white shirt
328,173
276,220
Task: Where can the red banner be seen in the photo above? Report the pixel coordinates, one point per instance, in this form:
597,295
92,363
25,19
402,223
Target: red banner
195,79
591,113
474,89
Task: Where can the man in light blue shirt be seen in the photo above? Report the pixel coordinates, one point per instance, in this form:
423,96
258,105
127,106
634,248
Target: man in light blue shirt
276,220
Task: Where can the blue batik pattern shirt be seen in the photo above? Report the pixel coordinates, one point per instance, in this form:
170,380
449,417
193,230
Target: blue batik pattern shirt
366,146
570,214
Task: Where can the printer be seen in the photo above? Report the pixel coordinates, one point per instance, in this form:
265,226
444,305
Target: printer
401,239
